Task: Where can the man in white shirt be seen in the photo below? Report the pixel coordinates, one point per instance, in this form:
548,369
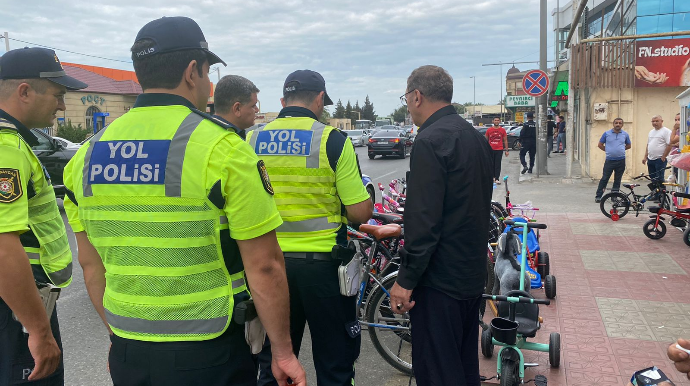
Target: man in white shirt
658,147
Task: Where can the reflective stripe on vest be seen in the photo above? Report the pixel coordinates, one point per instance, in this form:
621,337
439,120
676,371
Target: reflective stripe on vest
167,278
305,191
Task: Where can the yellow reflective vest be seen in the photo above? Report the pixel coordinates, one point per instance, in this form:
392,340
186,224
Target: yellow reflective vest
24,181
294,152
143,202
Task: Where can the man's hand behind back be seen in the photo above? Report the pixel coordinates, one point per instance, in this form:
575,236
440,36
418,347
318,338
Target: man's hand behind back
46,354
288,368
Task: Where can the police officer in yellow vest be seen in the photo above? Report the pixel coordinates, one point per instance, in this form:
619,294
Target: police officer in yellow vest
171,209
318,187
32,233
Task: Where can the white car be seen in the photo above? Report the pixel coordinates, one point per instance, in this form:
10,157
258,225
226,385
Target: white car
358,137
68,144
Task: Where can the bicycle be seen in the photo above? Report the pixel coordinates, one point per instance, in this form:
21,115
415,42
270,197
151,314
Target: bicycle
615,205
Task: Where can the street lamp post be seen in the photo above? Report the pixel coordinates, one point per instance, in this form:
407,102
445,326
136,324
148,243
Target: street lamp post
474,96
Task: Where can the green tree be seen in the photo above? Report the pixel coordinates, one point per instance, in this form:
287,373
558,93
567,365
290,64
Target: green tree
356,113
348,110
459,108
399,114
72,133
325,116
339,110
368,110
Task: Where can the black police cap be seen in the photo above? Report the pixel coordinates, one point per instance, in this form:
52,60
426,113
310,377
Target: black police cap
306,80
36,63
530,115
170,34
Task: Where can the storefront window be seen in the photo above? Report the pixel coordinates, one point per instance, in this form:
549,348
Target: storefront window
89,116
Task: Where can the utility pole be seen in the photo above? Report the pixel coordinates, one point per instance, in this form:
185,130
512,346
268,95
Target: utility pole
542,132
569,126
7,41
500,77
474,97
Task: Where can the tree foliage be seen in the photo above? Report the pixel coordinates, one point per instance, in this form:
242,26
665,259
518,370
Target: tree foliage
368,110
72,133
339,110
325,115
399,114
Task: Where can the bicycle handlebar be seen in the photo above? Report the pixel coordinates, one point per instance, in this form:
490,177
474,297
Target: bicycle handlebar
520,224
516,299
646,176
683,195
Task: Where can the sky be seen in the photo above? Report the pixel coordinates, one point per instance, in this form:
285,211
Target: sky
360,47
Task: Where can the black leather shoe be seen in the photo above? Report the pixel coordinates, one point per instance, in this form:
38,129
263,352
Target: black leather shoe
529,170
597,199
524,170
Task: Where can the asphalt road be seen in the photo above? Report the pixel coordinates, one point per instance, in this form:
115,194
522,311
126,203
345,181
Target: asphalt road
85,339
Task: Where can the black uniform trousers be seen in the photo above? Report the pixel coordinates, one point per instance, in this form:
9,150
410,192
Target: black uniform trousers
498,157
333,326
16,362
445,332
531,148
223,361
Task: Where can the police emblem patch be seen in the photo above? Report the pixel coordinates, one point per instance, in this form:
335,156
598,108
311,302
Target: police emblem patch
264,177
10,185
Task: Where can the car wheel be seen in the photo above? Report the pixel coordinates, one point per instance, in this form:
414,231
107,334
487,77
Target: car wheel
372,156
516,145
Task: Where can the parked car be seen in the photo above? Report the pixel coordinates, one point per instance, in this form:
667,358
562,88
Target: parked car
68,144
358,137
54,156
514,138
389,142
482,129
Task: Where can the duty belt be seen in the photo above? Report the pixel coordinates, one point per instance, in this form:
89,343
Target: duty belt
321,256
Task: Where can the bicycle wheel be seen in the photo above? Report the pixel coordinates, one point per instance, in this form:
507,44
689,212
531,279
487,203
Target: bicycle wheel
498,210
615,201
653,230
392,337
494,228
488,282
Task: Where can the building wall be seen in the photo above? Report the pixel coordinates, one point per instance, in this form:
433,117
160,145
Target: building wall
637,108
341,123
77,103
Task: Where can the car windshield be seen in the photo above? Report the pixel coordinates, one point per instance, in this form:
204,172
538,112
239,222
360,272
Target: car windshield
354,133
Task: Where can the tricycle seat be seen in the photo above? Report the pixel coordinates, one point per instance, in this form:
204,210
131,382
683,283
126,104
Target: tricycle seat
526,315
630,186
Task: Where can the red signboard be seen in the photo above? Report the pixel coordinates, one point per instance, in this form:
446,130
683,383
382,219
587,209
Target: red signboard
662,63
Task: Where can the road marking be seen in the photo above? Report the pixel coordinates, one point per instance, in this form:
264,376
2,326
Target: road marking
387,174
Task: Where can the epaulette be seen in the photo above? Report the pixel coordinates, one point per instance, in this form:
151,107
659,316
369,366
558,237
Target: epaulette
217,121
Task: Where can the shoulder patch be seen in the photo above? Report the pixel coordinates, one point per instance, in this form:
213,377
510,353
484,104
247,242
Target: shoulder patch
10,185
264,177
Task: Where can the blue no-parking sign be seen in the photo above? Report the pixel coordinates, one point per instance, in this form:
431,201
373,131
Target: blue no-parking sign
535,83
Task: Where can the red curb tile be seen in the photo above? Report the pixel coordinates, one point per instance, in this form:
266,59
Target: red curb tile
586,343
585,378
570,312
591,362
583,327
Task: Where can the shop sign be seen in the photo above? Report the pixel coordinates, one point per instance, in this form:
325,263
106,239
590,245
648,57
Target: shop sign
662,63
561,94
92,99
520,117
520,101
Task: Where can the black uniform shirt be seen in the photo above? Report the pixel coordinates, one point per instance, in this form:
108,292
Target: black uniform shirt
528,134
447,207
550,125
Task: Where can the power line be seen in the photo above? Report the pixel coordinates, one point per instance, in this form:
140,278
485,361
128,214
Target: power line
71,52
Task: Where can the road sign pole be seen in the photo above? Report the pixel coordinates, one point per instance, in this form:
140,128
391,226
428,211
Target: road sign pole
542,132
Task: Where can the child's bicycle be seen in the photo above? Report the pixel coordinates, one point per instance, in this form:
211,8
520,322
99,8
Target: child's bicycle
680,217
518,319
615,205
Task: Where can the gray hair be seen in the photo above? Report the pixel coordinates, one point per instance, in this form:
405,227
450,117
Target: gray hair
9,86
657,116
433,82
232,89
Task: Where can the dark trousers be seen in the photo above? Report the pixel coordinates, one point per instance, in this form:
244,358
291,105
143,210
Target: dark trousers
530,148
222,361
335,333
16,362
444,339
617,167
498,157
656,169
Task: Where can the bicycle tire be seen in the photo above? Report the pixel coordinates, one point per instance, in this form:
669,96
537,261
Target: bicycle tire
498,209
378,301
488,283
495,228
654,230
614,200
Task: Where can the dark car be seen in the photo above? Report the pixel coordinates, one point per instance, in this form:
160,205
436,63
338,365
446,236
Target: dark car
54,156
514,138
389,142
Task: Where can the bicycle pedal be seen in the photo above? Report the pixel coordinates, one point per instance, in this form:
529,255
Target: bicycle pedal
540,380
531,364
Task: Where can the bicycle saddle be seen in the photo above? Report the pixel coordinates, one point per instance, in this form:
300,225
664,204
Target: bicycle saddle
388,218
381,232
630,186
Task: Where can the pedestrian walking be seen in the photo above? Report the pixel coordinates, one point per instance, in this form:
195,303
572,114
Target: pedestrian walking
560,137
614,142
320,190
658,147
528,143
179,212
550,129
443,262
35,250
235,102
498,140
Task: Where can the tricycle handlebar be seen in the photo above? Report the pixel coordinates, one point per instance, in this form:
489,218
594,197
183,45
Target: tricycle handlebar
516,299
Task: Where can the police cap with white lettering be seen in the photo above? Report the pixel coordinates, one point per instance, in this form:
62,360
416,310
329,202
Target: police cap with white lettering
306,80
36,63
169,34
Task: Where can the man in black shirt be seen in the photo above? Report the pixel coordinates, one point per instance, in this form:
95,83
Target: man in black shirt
550,126
443,262
528,141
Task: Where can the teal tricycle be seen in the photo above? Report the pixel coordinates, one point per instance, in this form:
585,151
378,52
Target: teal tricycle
518,319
